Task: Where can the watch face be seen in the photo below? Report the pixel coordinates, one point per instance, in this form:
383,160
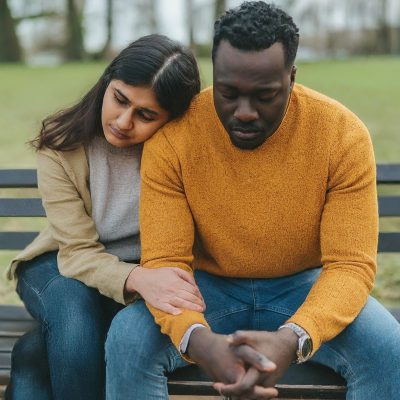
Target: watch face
305,347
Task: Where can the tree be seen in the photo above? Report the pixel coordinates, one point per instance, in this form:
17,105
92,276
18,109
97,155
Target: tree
383,36
190,23
147,17
219,8
74,49
10,49
109,29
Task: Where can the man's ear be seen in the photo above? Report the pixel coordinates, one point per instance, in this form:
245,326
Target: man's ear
292,76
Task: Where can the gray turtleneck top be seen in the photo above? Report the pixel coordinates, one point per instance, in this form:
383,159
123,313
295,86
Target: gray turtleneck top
115,190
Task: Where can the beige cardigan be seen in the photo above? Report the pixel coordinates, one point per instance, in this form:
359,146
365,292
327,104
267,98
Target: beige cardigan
63,178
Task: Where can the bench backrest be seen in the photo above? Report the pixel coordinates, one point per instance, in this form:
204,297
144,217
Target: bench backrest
389,206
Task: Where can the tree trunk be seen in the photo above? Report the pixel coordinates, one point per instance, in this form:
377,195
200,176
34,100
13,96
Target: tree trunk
220,7
152,15
74,49
383,36
10,49
190,23
109,28
147,16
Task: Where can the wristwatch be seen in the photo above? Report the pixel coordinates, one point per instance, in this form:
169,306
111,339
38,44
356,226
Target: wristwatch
304,347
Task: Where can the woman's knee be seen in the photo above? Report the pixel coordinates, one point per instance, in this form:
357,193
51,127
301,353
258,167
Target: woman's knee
29,353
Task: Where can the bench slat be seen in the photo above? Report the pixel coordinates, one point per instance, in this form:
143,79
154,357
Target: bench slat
16,240
18,178
5,360
388,173
14,313
389,206
27,178
7,344
389,242
21,208
300,381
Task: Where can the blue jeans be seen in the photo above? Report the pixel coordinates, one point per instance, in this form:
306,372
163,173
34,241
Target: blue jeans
366,353
64,357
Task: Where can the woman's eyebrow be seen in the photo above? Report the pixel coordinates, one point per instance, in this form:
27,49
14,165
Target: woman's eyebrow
122,95
148,110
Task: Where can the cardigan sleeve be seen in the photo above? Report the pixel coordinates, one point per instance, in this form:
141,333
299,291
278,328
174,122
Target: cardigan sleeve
81,256
348,236
166,220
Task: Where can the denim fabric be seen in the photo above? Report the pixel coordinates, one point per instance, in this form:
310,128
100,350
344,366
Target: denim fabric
64,357
366,353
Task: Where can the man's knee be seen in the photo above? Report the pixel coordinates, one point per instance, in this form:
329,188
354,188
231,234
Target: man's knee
135,337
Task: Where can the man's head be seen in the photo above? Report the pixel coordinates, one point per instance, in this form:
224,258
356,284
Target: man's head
254,50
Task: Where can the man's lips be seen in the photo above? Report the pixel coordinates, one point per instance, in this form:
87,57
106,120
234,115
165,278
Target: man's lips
246,134
117,133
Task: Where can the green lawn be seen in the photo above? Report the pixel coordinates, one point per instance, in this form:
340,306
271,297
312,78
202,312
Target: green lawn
368,86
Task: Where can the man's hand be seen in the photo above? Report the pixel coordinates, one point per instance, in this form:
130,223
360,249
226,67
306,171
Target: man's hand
226,364
279,347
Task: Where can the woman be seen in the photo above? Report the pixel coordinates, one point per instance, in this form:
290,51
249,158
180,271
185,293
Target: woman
83,268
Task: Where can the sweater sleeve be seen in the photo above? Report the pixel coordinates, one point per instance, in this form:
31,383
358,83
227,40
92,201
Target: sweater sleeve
166,226
348,236
81,256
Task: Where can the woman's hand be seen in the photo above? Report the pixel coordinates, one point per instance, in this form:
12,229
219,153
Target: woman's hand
169,289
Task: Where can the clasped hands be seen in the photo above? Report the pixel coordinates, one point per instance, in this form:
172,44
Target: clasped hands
247,364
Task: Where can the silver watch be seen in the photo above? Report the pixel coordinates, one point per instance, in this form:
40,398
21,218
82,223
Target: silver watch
304,347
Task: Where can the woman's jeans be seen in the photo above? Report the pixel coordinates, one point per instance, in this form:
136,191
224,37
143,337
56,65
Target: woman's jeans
64,357
366,353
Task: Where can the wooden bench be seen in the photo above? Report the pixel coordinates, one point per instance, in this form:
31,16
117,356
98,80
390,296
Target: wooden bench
308,381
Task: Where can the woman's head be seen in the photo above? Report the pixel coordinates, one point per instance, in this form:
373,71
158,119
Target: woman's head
155,66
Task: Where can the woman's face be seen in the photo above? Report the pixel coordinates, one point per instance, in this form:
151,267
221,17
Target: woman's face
130,114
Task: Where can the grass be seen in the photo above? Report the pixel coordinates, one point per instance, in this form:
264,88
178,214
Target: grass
368,86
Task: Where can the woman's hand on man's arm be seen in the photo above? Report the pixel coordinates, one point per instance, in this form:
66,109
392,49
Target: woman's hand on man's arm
170,289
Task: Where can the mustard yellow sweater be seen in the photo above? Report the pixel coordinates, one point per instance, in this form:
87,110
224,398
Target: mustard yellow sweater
304,198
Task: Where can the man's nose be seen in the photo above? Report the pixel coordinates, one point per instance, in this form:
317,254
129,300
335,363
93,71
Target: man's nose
245,111
125,120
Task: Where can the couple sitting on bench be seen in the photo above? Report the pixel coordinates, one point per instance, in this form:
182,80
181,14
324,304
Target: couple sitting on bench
258,228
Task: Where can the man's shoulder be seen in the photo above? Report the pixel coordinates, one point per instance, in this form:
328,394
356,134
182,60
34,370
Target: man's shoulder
322,107
199,110
319,101
316,98
186,129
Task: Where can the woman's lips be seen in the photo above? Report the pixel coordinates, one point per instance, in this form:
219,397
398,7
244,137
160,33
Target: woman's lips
118,134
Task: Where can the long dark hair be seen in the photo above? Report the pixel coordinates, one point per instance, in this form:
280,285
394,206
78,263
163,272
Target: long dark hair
156,61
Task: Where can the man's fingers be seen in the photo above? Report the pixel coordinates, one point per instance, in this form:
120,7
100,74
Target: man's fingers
261,392
254,358
243,388
241,337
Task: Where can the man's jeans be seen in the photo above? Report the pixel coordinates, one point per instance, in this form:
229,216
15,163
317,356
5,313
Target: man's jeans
64,357
366,353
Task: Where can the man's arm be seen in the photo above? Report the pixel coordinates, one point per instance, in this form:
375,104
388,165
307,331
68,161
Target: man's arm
349,237
167,227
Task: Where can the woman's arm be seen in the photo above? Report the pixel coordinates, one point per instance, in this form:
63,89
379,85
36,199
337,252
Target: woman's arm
81,256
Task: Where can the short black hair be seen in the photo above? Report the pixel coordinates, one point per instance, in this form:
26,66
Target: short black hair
256,25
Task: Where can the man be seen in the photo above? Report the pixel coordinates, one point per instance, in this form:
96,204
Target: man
260,184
